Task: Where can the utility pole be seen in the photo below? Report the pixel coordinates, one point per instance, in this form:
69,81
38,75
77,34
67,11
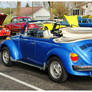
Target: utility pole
32,10
18,8
51,10
44,4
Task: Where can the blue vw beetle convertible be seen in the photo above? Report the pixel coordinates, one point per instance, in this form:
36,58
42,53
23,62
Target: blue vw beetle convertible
59,54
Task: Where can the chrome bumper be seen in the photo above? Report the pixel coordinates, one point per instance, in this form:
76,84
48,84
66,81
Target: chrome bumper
82,68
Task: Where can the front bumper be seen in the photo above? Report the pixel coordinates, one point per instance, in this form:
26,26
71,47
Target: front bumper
82,68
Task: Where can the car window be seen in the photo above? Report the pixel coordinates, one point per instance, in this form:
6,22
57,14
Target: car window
90,20
34,32
84,21
24,19
14,21
80,21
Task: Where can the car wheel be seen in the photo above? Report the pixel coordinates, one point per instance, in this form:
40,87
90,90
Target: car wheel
5,56
56,70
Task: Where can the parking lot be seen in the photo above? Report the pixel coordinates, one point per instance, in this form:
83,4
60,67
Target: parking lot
24,77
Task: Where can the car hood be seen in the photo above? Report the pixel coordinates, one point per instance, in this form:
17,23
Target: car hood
2,18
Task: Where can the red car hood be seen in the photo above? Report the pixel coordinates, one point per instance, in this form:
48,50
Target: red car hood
2,18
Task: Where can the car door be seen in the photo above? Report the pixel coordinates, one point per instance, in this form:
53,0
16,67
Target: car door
27,45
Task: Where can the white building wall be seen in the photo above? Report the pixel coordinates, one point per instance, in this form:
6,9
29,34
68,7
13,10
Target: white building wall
42,14
88,10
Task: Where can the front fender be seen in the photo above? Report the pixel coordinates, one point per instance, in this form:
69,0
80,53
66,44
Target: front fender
15,52
64,56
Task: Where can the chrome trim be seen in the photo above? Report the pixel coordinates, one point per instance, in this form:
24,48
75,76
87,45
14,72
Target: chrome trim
41,68
82,68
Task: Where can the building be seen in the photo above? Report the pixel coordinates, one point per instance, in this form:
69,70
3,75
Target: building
38,13
79,8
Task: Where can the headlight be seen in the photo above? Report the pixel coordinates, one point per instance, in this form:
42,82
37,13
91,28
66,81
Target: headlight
74,57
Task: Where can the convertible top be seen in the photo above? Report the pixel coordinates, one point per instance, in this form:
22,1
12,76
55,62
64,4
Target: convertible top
74,35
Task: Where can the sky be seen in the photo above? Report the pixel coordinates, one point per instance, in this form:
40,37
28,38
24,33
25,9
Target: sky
13,4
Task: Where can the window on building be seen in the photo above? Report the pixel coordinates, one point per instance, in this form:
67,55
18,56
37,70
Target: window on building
86,6
75,11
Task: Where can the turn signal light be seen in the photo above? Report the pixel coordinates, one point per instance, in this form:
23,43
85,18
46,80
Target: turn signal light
7,38
74,57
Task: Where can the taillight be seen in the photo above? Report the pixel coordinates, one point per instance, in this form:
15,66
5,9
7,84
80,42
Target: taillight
74,57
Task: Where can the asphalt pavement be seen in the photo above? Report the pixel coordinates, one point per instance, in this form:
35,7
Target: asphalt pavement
24,77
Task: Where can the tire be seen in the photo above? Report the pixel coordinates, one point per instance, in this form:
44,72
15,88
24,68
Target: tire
5,57
56,70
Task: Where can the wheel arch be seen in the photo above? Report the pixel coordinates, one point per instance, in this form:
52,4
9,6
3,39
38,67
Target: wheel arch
53,55
14,51
64,57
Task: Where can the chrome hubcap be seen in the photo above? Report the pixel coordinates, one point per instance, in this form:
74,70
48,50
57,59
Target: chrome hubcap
5,56
55,69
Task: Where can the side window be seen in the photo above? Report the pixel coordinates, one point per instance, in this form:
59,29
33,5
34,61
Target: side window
14,21
80,21
90,20
84,21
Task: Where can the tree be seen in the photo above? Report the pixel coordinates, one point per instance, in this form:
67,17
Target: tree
27,5
59,9
51,9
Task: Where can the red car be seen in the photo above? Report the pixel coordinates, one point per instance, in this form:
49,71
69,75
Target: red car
3,31
32,26
17,23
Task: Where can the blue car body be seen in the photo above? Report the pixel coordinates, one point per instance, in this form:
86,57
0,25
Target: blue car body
37,51
85,22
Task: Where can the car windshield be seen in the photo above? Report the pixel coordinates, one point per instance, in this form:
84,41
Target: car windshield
25,19
38,24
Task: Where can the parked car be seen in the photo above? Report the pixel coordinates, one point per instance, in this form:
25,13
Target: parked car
17,23
47,24
3,30
85,22
59,55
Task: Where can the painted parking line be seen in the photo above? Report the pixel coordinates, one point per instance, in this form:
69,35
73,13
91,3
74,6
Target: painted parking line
21,82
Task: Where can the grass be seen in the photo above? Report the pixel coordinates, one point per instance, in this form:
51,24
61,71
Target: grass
7,20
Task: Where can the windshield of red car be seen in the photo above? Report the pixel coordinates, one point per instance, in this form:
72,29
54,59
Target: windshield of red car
25,19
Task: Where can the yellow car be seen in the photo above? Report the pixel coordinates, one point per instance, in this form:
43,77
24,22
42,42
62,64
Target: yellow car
50,25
